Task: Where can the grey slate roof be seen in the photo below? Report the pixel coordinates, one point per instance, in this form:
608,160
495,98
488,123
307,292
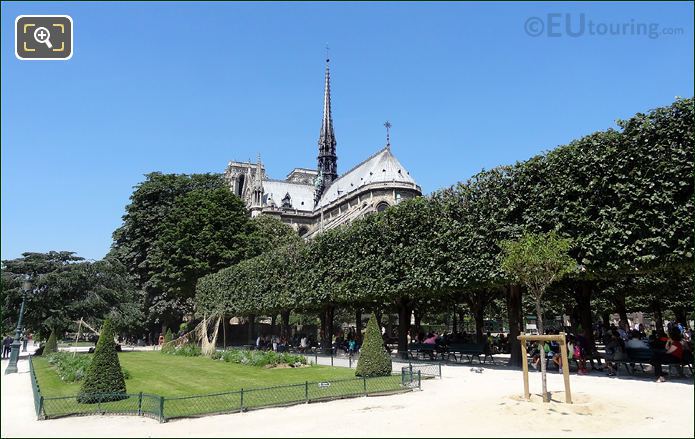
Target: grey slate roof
381,167
275,190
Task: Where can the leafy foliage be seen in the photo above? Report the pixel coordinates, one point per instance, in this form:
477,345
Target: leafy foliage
536,261
178,228
374,360
66,288
260,358
623,197
104,375
185,350
71,367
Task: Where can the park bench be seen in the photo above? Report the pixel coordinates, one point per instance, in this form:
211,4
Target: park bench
644,356
470,351
423,350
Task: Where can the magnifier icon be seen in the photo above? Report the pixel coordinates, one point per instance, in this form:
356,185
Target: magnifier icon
42,36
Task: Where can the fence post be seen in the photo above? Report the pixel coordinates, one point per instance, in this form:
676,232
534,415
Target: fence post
419,379
161,409
331,358
364,381
306,391
350,366
140,404
440,370
241,400
316,357
40,416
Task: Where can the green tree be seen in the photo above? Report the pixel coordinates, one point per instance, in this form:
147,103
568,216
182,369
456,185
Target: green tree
176,229
536,261
66,288
51,345
374,360
104,380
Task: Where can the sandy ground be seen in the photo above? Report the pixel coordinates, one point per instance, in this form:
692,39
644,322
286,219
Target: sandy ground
463,403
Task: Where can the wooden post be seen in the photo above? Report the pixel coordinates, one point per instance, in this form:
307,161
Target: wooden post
560,338
565,369
524,365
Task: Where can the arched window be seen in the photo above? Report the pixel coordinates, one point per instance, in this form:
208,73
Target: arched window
240,186
303,230
382,206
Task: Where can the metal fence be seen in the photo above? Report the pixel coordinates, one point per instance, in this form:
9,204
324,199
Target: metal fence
164,408
38,399
426,370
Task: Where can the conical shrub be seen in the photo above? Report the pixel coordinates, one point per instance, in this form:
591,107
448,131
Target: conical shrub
51,345
104,379
168,336
374,360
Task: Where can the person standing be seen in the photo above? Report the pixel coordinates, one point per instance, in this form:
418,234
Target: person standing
6,346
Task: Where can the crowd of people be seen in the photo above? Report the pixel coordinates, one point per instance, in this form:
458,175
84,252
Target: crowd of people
670,346
495,344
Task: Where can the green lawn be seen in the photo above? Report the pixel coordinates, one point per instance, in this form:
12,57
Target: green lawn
170,375
193,386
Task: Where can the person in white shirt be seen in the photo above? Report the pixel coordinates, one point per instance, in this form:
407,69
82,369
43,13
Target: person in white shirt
635,342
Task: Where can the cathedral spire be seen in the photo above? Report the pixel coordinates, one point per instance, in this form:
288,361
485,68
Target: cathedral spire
327,159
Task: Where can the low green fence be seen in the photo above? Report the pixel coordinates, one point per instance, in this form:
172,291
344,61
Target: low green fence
426,370
164,408
38,399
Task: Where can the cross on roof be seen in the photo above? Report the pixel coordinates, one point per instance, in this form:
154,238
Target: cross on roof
387,124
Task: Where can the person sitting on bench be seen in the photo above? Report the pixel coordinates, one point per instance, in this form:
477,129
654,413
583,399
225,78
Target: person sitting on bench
673,354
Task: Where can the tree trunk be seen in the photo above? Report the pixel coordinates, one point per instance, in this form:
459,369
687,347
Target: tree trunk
619,303
285,324
583,297
378,314
403,327
358,325
539,315
606,317
417,316
658,316
541,331
454,322
327,329
515,319
252,338
479,313
224,332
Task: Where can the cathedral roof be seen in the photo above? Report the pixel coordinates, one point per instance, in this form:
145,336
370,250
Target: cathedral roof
382,167
301,195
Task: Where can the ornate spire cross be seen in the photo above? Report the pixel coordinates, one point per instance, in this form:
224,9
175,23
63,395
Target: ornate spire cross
387,124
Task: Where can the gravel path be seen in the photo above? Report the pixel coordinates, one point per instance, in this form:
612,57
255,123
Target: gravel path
463,403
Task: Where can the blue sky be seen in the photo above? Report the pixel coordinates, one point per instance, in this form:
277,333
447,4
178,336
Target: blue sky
186,87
